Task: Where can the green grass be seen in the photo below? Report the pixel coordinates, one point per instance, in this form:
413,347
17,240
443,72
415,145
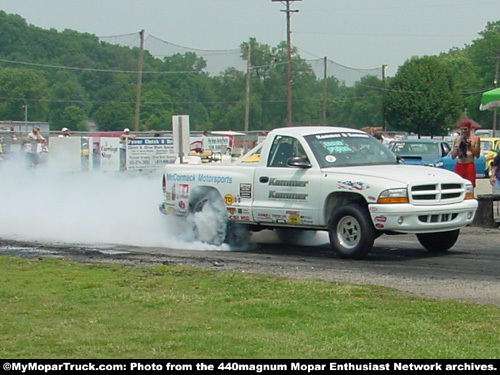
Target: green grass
56,309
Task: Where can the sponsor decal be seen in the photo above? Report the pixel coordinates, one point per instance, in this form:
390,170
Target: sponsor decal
231,210
287,196
342,135
183,191
228,199
245,190
278,216
215,179
294,219
180,177
264,220
306,219
293,183
381,219
379,226
352,185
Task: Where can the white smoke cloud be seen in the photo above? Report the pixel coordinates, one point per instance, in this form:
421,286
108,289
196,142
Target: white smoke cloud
88,208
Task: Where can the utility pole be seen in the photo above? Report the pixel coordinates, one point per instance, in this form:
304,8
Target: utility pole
495,81
383,93
288,60
324,89
247,99
139,84
25,107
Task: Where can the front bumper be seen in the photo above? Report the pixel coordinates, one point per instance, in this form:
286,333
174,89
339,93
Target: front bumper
407,218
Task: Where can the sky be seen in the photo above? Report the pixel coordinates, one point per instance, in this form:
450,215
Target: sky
359,34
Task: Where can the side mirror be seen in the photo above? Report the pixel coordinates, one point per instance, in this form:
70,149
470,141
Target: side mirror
299,162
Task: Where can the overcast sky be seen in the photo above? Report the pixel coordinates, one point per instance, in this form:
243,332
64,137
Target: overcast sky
361,34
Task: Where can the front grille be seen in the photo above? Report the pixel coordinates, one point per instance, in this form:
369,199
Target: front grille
436,193
439,218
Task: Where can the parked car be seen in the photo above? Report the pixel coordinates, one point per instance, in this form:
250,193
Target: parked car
432,152
489,148
421,151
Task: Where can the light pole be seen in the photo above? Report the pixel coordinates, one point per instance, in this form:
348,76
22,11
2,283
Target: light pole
25,107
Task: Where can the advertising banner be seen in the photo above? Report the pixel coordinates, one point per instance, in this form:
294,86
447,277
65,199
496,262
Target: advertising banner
106,153
149,153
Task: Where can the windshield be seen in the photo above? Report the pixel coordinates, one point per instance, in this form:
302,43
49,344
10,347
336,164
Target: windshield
415,148
486,145
349,149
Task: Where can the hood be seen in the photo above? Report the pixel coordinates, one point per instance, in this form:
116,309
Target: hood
405,174
421,160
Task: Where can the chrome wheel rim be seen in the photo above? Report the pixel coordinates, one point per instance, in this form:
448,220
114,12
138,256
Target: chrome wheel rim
348,232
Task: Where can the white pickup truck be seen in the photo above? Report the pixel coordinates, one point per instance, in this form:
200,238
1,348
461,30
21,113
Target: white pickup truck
339,180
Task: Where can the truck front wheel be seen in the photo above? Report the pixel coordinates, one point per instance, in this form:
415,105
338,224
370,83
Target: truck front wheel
351,231
438,242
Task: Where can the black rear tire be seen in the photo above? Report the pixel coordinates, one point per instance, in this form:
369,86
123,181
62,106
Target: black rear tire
438,242
208,218
351,231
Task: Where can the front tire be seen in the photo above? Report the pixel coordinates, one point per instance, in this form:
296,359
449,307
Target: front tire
351,232
438,242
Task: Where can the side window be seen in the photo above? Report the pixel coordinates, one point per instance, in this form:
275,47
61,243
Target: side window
282,149
446,149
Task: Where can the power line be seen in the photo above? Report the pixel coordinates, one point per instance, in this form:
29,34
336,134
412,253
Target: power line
95,69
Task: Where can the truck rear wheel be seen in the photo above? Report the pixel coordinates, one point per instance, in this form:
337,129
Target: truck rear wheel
351,232
208,218
211,225
438,242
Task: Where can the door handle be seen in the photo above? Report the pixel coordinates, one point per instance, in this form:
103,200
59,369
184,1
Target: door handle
264,179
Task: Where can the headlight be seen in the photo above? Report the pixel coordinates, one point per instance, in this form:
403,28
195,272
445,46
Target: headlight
469,191
393,196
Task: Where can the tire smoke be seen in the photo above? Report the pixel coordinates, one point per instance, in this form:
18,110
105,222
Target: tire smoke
88,207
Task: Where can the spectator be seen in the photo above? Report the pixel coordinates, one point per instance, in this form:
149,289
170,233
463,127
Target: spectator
64,133
467,147
389,139
126,135
495,175
34,146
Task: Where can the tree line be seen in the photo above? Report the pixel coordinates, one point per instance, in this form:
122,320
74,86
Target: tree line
69,78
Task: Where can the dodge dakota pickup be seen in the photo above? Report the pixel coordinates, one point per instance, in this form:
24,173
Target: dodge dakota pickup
339,180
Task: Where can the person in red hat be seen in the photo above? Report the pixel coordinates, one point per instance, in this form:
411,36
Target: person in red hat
466,147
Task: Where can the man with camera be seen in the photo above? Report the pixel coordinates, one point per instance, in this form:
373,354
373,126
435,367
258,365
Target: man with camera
466,146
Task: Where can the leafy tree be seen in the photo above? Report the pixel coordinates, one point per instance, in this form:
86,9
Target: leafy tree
422,97
483,55
114,116
74,118
21,87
